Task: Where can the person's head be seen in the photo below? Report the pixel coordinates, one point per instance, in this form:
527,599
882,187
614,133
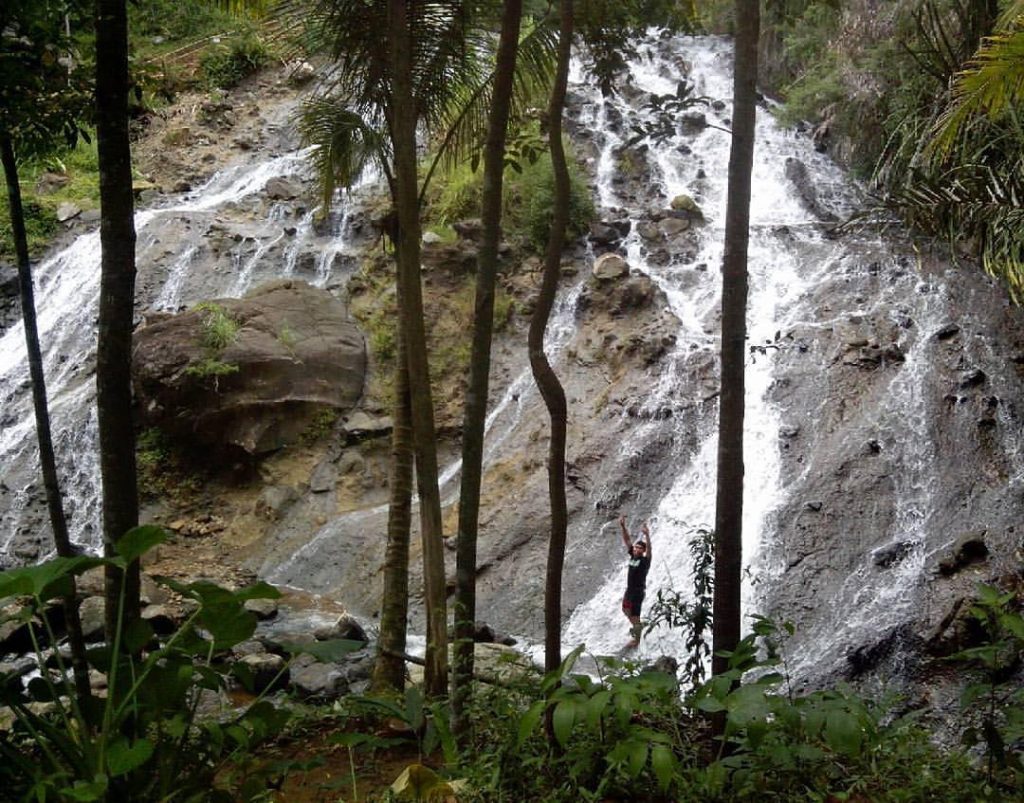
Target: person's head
639,549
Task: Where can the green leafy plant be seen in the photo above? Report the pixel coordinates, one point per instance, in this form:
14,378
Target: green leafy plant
217,331
226,66
145,740
994,703
694,617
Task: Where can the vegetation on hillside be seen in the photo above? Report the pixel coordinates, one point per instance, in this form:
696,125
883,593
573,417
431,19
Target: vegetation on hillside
176,45
918,96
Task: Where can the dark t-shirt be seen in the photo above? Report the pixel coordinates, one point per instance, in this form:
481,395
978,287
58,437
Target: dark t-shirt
636,577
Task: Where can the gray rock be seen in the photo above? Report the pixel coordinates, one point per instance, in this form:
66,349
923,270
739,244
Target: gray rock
324,477
345,627
604,234
610,266
322,682
251,647
301,73
683,203
160,619
890,555
649,231
48,183
8,281
672,226
361,425
264,609
91,612
273,501
471,229
796,172
280,383
966,551
266,670
432,238
68,210
281,188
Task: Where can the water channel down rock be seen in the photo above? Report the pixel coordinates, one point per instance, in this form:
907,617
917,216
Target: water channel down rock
292,353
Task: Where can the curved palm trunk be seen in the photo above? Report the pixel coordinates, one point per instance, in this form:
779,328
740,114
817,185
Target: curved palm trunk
47,460
410,296
480,364
117,296
729,498
545,377
389,671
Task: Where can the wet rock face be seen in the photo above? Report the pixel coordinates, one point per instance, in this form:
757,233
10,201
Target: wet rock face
293,354
9,308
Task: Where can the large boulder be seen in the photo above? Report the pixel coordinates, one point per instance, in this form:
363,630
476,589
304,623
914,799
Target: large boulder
250,373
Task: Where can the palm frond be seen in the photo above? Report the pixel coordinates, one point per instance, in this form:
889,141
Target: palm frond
992,82
347,143
464,118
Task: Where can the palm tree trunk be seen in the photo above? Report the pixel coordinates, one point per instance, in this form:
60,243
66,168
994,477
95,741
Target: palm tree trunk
480,364
404,114
729,498
47,460
117,296
389,670
545,377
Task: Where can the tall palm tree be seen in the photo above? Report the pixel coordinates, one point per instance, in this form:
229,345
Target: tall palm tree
399,64
729,496
437,58
544,375
117,297
480,361
42,107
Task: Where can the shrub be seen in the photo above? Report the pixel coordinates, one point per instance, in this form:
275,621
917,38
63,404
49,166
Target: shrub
226,65
144,740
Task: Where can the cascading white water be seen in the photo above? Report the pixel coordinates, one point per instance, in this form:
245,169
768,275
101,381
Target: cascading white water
67,294
777,280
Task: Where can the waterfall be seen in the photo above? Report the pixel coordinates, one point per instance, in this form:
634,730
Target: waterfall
777,280
844,368
67,300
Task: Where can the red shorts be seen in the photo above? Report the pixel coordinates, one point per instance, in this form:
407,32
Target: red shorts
631,604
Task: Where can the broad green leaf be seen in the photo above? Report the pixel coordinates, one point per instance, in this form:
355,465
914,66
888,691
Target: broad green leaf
33,580
258,590
663,761
414,708
325,651
351,739
137,635
595,707
87,790
710,705
528,722
229,624
266,719
139,540
562,720
636,757
207,678
746,704
843,733
123,757
239,734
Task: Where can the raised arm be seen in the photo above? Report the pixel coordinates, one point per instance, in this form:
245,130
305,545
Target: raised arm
647,537
625,533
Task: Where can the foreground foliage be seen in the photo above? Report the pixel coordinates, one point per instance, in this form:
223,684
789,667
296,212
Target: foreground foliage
152,734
